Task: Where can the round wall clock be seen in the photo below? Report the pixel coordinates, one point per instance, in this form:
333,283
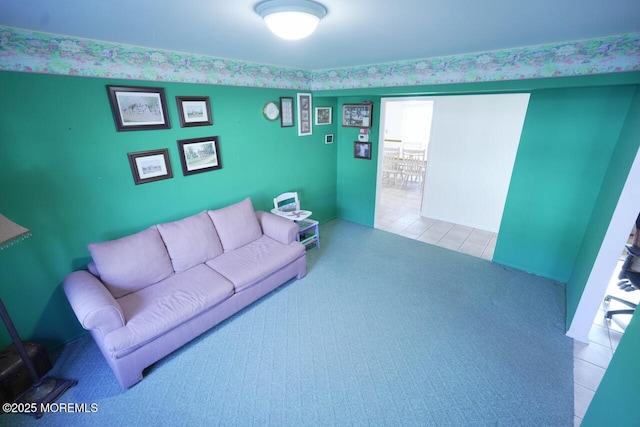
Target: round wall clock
271,111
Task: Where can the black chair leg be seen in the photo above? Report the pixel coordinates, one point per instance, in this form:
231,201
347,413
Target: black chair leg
610,313
625,302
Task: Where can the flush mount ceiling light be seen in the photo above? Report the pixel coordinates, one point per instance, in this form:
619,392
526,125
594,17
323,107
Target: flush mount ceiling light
291,19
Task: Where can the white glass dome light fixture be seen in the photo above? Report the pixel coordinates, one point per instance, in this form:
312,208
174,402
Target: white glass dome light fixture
291,19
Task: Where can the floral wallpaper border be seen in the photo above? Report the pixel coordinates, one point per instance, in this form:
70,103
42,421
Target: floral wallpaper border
582,57
36,52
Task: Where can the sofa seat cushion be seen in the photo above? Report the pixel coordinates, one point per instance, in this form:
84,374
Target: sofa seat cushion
157,309
236,224
249,264
190,241
133,262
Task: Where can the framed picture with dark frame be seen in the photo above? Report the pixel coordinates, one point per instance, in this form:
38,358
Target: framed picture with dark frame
357,115
286,111
149,166
199,155
138,108
362,150
304,114
323,115
194,111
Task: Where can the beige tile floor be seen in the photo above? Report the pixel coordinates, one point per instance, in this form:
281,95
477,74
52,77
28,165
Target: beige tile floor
590,361
398,212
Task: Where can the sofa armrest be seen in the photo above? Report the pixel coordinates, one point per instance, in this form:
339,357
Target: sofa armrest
92,302
278,228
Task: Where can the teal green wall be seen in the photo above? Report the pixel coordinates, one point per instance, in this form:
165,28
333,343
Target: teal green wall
615,178
621,378
574,155
356,178
593,80
569,135
65,175
579,139
567,140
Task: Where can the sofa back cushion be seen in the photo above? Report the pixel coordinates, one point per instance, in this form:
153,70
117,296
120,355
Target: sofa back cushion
133,262
190,241
236,224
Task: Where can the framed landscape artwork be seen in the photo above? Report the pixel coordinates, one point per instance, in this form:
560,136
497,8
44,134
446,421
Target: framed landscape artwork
194,111
199,155
138,108
149,166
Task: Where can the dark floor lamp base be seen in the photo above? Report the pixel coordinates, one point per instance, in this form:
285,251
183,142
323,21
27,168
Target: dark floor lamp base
43,390
47,391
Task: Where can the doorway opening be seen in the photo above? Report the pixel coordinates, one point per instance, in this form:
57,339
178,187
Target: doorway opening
592,358
445,165
622,297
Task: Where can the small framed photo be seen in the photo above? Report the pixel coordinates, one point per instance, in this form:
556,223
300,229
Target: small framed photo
148,166
328,139
199,155
362,150
138,108
194,111
323,115
286,111
357,115
304,114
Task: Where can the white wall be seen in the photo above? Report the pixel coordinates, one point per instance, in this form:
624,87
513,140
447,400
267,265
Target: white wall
408,121
473,145
416,128
394,120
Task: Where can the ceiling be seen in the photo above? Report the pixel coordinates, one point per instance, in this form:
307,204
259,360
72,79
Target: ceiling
354,32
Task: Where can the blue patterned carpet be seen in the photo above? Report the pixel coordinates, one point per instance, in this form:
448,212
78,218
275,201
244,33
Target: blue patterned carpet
383,331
